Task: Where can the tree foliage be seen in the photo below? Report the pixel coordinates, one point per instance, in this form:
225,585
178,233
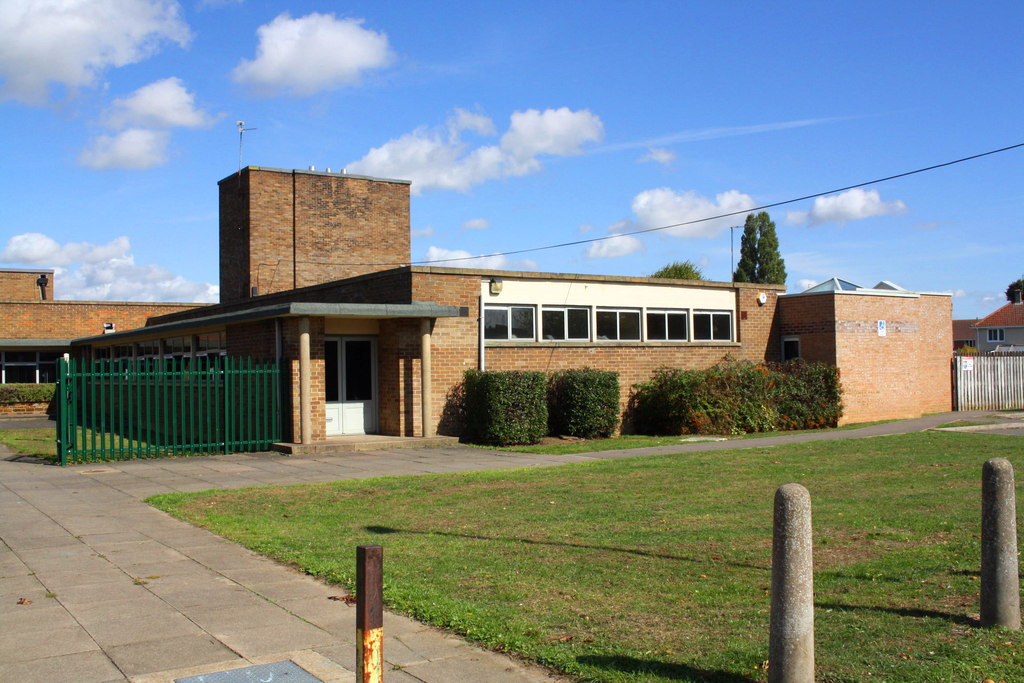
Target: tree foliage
1013,288
760,260
680,270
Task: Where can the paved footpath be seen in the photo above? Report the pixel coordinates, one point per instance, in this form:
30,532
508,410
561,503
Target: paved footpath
114,590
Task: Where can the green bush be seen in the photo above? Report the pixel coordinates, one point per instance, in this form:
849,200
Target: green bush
584,403
736,397
26,393
505,408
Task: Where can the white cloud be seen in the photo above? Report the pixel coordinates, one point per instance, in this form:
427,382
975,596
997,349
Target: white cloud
439,158
663,206
658,155
162,104
71,42
310,54
476,224
422,232
458,258
848,206
614,247
135,148
103,272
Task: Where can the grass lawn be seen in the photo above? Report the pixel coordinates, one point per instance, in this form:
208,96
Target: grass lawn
658,568
40,443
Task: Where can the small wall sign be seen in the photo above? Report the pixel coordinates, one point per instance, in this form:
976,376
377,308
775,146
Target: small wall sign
967,364
881,328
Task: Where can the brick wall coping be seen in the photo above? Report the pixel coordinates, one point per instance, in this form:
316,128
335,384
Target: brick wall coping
870,292
108,304
530,275
298,171
416,309
27,270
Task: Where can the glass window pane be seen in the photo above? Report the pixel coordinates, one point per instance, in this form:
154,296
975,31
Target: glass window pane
702,326
47,372
579,323
656,326
722,326
331,371
20,357
522,323
358,370
677,326
790,349
20,374
629,325
496,323
607,325
553,324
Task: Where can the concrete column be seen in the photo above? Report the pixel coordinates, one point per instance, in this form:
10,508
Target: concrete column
1000,581
791,641
305,398
425,377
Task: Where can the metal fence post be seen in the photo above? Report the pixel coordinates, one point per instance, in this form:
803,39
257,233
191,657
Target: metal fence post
370,614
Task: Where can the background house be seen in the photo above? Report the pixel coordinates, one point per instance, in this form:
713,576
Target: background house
1002,330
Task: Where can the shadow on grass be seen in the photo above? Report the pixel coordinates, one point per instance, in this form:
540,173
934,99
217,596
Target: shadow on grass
666,670
903,612
373,529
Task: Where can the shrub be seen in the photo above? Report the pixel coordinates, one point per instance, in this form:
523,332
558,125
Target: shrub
735,397
584,403
505,408
26,393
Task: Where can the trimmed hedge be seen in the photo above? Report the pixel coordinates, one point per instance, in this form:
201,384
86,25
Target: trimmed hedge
736,397
505,408
11,394
584,403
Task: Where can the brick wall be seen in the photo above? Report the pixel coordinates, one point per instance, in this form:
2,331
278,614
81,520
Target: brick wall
74,319
282,230
901,375
20,285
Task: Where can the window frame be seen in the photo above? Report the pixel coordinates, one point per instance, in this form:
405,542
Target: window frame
666,312
996,334
566,327
712,313
508,308
619,312
790,338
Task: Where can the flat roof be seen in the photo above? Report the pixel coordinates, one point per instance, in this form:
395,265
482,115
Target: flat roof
27,270
416,309
35,342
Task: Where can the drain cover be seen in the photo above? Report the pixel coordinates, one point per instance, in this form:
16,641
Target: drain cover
278,672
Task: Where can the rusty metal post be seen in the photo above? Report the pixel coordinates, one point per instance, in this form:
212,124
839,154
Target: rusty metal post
370,613
791,639
1000,581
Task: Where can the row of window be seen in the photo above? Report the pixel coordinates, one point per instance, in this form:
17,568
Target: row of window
996,334
210,344
573,323
28,367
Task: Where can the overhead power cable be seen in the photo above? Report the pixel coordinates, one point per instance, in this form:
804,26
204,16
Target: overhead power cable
762,207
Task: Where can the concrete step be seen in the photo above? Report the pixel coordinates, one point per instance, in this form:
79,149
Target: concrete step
368,442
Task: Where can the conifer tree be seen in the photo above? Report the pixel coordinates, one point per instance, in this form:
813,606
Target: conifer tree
760,260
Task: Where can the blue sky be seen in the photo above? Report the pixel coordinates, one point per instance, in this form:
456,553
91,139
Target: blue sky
522,125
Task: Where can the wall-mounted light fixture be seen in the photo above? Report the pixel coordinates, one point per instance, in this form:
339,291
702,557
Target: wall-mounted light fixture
108,328
495,286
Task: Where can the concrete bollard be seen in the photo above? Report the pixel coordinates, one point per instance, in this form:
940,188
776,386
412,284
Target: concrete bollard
1000,582
791,640
370,614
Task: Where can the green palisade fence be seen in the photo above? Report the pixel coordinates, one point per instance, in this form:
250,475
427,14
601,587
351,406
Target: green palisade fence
119,410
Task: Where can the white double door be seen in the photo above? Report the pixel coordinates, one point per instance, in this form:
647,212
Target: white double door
350,385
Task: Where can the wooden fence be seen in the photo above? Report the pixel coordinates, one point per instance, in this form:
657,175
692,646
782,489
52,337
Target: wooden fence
989,382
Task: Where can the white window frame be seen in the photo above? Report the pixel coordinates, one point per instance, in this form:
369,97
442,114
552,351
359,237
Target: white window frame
508,308
996,334
564,310
638,312
685,312
712,314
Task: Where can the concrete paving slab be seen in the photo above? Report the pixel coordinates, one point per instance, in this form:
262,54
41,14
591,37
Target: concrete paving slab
24,646
135,629
252,642
82,667
158,655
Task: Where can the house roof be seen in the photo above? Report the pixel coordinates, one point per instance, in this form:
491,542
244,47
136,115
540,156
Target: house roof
964,329
839,286
1010,315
